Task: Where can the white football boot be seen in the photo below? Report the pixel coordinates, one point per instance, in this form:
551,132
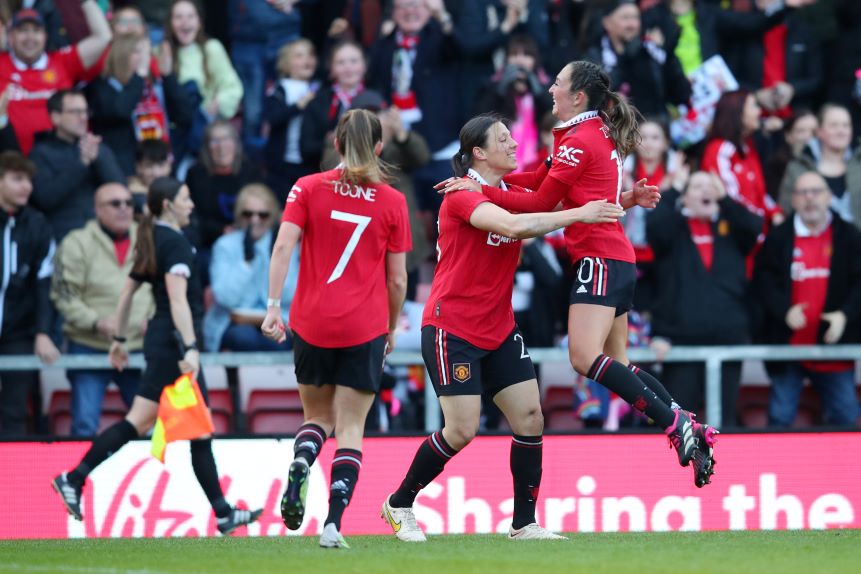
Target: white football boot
331,538
533,532
403,522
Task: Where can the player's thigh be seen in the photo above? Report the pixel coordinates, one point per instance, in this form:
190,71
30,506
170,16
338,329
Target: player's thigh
317,402
589,327
616,344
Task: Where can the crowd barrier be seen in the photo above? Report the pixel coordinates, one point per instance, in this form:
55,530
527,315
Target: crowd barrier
591,483
712,357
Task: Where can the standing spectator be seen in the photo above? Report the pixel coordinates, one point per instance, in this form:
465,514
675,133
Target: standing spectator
71,163
639,67
215,181
519,92
414,67
34,74
258,28
808,284
347,69
204,70
239,273
700,249
797,132
91,266
154,12
153,160
730,153
831,155
844,83
130,103
484,29
24,300
283,110
56,32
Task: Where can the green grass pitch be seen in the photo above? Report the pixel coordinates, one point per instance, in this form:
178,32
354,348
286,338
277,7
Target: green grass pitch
796,552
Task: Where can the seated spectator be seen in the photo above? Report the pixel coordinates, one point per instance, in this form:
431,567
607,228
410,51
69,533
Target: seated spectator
131,104
807,282
639,68
90,269
239,273
26,322
283,110
405,151
347,72
71,163
258,28
204,71
831,155
153,159
34,74
701,241
215,181
796,133
519,92
57,33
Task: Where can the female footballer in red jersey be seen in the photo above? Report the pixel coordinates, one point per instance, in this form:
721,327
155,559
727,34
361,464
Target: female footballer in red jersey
598,130
352,281
470,342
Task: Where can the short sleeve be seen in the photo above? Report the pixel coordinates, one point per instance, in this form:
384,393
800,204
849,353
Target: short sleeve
400,236
570,160
461,204
296,207
177,257
69,59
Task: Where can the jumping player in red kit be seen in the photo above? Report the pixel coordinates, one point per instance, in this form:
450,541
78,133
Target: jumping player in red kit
598,130
352,282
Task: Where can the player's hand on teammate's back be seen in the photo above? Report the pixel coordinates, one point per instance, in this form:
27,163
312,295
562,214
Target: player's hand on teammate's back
600,211
457,184
273,326
646,195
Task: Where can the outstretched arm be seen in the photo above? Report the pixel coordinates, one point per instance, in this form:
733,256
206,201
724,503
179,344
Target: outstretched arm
490,217
90,48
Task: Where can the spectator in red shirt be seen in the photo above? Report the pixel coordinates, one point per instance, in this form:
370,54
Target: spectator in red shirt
33,75
808,283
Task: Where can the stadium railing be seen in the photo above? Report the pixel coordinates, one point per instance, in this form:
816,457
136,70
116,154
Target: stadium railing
713,357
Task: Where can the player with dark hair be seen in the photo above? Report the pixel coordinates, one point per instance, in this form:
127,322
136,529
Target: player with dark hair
352,283
470,342
164,258
599,129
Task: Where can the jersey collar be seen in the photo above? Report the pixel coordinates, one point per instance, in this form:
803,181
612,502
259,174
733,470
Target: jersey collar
802,230
472,174
40,64
578,119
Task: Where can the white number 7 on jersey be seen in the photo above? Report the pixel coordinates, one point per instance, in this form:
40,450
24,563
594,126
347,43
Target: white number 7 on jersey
361,222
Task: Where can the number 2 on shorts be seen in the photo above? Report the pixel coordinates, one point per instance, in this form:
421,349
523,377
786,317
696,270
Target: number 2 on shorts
362,223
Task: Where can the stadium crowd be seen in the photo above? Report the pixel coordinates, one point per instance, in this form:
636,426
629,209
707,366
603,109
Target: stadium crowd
756,238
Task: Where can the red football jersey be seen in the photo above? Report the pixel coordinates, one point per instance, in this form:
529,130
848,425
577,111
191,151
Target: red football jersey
586,166
341,298
32,86
471,291
741,175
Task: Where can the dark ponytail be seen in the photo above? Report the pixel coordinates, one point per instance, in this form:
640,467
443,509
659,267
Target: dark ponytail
621,117
161,189
473,134
623,121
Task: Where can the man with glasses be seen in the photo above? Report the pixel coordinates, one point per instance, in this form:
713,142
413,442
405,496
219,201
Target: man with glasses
90,269
71,163
808,281
31,75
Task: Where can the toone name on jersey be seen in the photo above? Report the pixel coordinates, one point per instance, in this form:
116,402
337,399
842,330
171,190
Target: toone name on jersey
354,191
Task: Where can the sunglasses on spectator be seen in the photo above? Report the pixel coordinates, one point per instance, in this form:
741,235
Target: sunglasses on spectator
248,214
118,203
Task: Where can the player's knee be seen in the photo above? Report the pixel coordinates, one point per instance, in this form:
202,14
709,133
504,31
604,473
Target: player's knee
460,435
534,421
581,361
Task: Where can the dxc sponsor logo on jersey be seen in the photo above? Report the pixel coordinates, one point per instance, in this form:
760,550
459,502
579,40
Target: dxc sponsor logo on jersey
568,155
495,240
354,191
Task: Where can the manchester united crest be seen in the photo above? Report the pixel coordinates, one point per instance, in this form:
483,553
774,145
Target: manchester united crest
461,372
